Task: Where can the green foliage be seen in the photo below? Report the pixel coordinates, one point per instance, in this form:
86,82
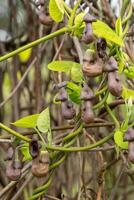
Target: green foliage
27,122
118,138
43,121
62,66
74,92
68,67
79,24
129,72
101,29
25,152
56,10
118,27
127,93
76,74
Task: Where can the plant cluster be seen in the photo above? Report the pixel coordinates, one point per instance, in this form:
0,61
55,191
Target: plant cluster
88,92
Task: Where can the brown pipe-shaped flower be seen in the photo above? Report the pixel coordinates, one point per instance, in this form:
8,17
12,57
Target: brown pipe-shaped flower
92,64
67,108
87,114
129,136
14,165
40,165
114,84
101,47
68,111
88,36
131,151
111,65
12,172
34,148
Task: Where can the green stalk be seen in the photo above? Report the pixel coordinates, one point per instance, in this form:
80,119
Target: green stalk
71,20
57,163
41,137
101,102
34,43
124,6
129,15
97,93
85,148
73,133
117,124
67,8
15,133
42,188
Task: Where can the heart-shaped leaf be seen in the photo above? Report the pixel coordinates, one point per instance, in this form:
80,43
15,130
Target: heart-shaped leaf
43,122
27,122
56,10
101,29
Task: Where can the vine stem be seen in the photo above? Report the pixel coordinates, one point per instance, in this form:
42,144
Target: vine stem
36,42
15,133
112,115
85,148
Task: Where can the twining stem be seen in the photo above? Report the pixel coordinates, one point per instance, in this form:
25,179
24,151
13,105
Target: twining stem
41,137
43,187
15,133
85,148
56,164
101,91
36,42
73,133
101,102
117,124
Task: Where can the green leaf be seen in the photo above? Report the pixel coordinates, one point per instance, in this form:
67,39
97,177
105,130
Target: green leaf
79,24
25,152
118,27
118,138
27,122
127,93
74,92
76,74
43,122
56,10
62,66
129,72
101,29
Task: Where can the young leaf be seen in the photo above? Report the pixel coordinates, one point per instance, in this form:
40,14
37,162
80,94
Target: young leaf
25,152
43,122
127,93
62,66
118,138
76,74
27,122
56,10
118,27
101,29
74,92
129,72
79,24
